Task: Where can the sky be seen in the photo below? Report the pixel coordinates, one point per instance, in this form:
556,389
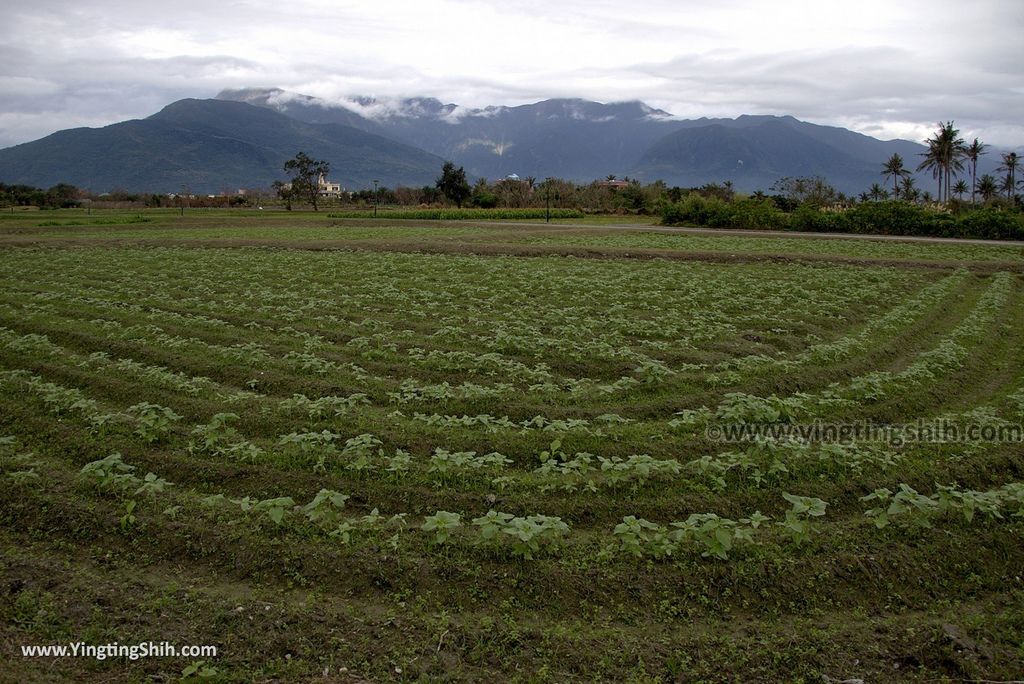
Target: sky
888,68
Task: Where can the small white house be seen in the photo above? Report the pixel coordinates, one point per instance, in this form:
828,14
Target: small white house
329,188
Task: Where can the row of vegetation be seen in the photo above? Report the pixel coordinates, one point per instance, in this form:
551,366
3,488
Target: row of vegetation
456,467
811,204
891,217
456,213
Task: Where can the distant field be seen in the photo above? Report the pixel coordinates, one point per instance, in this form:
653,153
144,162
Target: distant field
457,214
838,247
448,451
593,235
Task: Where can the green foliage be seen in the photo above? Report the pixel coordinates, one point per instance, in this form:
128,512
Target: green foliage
463,214
453,184
305,175
717,213
917,510
531,534
738,407
128,518
442,524
325,507
152,485
200,669
152,421
320,408
798,522
110,473
881,218
715,535
525,536
446,463
639,537
712,535
215,436
275,508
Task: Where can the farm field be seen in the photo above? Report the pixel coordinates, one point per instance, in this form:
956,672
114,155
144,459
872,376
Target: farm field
345,451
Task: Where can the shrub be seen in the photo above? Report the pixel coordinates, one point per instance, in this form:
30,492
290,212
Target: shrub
992,224
811,219
873,218
717,213
761,214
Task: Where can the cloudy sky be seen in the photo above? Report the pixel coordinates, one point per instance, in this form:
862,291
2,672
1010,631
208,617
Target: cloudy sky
889,68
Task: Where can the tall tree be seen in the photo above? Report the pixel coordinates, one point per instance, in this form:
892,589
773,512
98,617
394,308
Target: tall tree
1011,162
960,188
933,160
954,149
453,184
1006,186
306,173
971,153
943,158
284,191
908,189
894,168
877,192
987,187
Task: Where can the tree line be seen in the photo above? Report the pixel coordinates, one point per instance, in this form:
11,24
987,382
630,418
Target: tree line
946,158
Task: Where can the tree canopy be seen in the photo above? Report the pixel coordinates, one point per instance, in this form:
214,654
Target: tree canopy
305,176
453,183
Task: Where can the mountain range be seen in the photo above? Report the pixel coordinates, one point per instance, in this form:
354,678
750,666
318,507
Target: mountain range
242,138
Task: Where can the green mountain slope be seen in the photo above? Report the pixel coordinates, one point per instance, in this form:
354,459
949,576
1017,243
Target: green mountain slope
209,146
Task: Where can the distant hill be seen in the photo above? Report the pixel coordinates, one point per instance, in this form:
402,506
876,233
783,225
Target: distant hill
583,140
242,138
569,138
755,151
209,146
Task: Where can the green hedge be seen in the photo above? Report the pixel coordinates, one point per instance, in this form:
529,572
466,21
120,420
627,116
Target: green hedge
454,214
717,213
877,218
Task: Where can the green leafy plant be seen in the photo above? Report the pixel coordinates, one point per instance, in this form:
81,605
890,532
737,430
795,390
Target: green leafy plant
128,519
152,421
110,473
152,485
325,507
215,436
200,669
275,508
531,534
442,524
798,520
639,537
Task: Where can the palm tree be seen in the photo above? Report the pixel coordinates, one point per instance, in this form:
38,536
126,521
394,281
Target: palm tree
877,192
933,160
955,151
1006,186
894,167
987,187
1010,163
960,188
945,150
972,152
908,191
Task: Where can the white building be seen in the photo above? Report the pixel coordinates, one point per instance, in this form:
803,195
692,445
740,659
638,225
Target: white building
329,188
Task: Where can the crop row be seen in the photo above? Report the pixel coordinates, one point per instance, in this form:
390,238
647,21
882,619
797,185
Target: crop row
527,536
